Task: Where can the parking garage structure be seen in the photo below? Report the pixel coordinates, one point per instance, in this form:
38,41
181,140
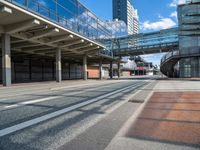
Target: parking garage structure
41,43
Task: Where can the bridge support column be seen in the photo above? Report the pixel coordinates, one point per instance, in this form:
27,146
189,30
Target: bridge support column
100,69
118,69
58,66
6,60
111,70
85,76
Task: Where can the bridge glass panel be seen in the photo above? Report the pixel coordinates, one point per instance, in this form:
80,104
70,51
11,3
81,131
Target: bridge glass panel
138,42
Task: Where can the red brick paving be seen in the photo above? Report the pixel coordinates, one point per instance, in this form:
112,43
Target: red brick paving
184,106
170,117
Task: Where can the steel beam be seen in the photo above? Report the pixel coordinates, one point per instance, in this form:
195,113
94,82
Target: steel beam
59,38
20,26
70,43
24,44
36,48
4,10
44,33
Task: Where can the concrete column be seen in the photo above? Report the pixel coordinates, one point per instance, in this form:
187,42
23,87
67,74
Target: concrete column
100,69
118,69
58,66
6,60
85,67
111,70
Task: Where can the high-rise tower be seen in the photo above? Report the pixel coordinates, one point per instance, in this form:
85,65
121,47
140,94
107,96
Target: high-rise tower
124,10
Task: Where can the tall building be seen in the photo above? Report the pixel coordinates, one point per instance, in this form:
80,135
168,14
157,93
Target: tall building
124,10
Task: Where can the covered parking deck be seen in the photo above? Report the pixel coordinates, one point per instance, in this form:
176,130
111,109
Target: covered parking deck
34,48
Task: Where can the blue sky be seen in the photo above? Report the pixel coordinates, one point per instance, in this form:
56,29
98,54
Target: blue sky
153,15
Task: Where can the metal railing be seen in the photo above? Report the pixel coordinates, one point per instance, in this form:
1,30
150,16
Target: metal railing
184,53
169,55
106,52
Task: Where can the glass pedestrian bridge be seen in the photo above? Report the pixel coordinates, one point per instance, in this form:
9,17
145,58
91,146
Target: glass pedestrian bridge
144,43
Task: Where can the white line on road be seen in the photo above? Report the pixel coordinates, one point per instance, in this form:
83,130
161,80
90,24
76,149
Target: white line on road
83,85
17,92
31,102
29,123
64,88
47,99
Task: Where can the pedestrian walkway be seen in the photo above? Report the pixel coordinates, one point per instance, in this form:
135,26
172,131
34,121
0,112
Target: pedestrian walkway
169,119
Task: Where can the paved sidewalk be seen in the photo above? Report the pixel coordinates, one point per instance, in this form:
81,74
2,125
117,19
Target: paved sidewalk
169,119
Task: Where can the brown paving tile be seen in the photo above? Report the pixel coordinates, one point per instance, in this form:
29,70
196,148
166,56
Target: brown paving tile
174,99
173,132
170,117
177,106
176,95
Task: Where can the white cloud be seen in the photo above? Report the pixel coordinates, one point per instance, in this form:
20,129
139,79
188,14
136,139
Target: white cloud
154,58
149,56
163,23
174,14
174,3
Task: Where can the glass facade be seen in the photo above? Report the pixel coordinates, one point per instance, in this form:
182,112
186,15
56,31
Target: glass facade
189,67
124,10
117,27
70,14
189,39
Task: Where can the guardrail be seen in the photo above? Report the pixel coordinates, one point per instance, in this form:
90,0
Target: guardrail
169,55
187,52
106,53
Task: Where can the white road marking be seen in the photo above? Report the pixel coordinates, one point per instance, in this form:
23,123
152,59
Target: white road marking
57,89
17,92
83,85
29,123
31,102
46,99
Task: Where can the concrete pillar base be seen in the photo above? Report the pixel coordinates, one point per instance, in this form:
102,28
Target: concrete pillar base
6,60
85,77
58,66
118,70
100,70
111,70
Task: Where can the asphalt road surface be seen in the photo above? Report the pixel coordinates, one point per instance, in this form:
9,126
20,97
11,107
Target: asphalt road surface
38,118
